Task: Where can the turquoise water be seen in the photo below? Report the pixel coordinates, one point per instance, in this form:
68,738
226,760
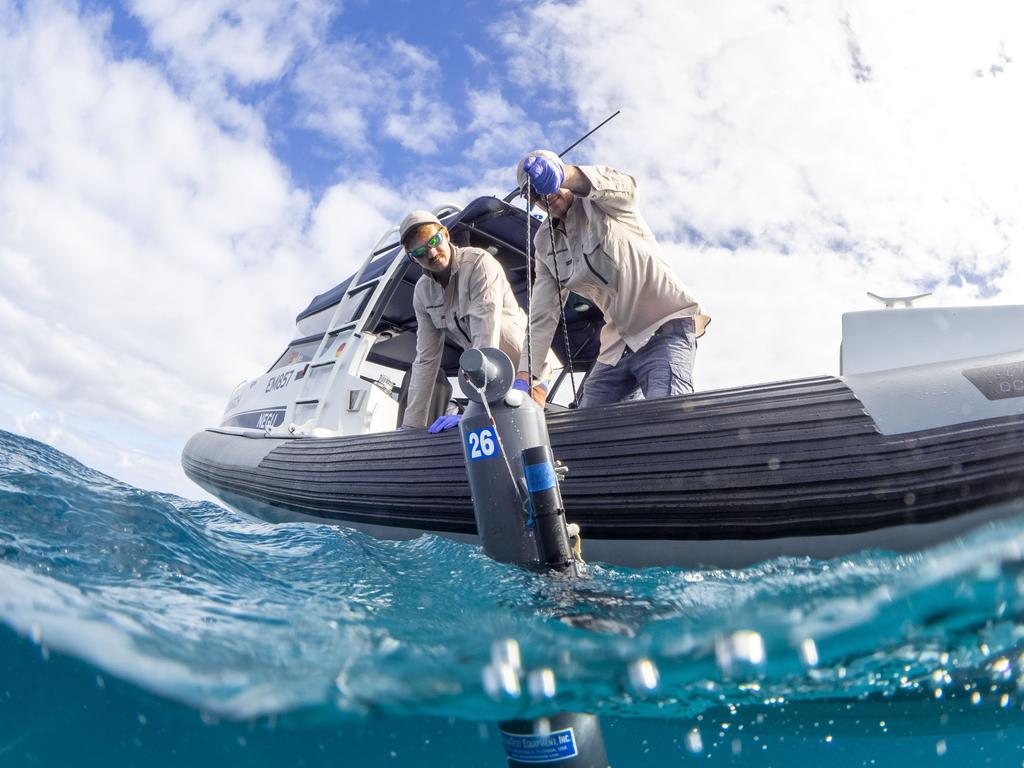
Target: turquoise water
145,629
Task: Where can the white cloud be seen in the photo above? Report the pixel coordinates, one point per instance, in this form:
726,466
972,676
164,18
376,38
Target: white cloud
349,220
249,41
39,427
792,156
478,58
355,93
132,455
500,130
148,257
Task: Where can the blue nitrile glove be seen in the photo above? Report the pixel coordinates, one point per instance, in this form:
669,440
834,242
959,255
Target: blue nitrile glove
521,385
545,175
444,423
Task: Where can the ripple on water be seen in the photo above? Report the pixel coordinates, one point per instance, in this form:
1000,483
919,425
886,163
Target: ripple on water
237,617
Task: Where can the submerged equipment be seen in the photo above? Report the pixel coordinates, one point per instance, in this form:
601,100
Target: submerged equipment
512,477
521,519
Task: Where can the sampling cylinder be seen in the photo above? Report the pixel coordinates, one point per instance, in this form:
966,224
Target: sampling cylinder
565,740
498,425
521,519
548,511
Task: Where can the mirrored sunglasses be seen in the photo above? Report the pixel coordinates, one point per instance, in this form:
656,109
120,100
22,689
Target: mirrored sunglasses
424,250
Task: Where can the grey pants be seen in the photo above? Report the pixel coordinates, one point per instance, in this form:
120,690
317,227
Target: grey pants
660,368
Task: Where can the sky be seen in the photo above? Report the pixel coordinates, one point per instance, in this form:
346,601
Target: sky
179,178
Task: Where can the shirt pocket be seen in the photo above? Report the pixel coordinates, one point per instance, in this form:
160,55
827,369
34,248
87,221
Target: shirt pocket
437,317
600,270
565,266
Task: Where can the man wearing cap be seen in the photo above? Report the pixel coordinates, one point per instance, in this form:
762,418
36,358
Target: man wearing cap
463,294
607,254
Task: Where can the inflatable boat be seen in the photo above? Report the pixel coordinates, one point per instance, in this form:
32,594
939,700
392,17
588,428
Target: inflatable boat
919,439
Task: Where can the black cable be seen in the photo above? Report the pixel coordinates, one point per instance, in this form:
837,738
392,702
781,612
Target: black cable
529,290
561,306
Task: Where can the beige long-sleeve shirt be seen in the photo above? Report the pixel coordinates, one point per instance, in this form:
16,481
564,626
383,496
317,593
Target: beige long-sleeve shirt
608,255
476,309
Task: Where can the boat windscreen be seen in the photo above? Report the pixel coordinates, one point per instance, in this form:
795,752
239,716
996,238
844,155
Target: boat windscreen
329,298
299,351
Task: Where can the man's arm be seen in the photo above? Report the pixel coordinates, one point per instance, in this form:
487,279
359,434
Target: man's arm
544,316
611,190
429,346
576,181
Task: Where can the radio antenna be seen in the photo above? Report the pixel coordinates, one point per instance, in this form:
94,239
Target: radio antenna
511,195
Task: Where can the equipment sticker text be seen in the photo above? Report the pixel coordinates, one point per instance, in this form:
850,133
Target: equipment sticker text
481,443
545,748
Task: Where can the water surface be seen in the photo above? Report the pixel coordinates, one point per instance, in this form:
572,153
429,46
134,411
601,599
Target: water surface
142,628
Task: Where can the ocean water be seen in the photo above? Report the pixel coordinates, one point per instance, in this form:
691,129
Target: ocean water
144,629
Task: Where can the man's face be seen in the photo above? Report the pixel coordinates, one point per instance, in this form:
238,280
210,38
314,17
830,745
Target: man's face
557,204
431,249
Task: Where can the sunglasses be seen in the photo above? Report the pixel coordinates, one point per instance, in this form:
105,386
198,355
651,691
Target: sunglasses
421,252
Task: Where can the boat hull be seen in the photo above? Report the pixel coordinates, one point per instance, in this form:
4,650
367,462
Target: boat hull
723,478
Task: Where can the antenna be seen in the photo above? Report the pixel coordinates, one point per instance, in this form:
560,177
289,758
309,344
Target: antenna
511,195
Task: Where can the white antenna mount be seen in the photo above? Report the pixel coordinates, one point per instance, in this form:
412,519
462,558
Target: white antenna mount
891,302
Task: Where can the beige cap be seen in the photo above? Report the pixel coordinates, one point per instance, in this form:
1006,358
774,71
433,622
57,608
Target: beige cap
521,176
414,219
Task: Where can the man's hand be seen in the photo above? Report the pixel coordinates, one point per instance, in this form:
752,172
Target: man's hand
538,391
444,423
546,176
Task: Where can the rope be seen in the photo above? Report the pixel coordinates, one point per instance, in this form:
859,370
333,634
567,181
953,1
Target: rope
529,297
529,289
561,306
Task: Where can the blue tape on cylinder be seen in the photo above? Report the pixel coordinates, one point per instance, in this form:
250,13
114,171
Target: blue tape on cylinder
540,477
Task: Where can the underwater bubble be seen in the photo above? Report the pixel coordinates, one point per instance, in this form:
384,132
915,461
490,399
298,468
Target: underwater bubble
694,743
501,681
742,652
643,675
1002,667
809,652
506,652
541,684
501,678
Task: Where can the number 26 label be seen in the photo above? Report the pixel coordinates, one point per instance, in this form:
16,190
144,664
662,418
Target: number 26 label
482,443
